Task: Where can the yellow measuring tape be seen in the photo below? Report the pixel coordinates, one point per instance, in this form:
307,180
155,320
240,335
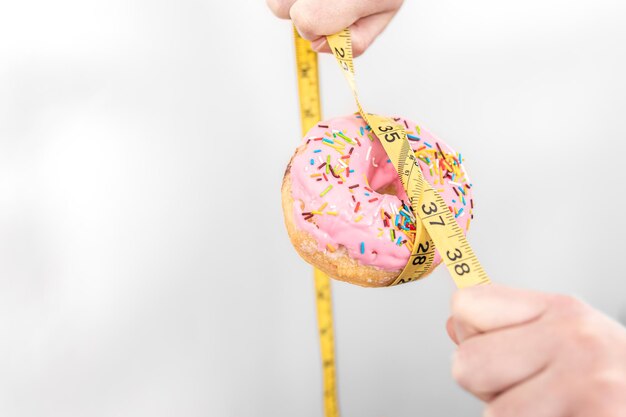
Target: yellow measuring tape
310,114
437,221
437,227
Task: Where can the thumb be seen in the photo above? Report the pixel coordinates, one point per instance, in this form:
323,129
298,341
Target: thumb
490,307
315,19
364,31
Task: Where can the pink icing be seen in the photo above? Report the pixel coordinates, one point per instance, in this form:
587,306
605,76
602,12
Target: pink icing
336,215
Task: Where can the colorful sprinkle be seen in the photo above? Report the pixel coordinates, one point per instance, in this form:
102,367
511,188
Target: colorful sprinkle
323,193
344,137
406,213
444,166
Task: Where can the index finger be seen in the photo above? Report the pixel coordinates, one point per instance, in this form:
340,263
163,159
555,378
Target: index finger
490,307
280,7
316,18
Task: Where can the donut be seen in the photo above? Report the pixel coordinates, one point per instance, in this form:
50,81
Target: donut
345,209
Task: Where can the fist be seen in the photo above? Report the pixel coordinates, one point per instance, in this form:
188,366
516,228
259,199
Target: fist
533,354
315,19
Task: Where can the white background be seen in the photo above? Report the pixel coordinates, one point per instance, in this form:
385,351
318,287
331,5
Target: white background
144,266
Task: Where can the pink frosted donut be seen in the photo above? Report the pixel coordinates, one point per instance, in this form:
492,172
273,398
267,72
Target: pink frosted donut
344,206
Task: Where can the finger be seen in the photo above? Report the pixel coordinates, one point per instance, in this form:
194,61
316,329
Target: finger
540,396
463,330
490,363
320,45
364,31
451,331
490,307
280,7
315,18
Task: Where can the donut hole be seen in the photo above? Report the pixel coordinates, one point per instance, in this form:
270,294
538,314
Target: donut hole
384,180
390,189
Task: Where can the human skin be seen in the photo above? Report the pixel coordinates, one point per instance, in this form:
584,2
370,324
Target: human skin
524,353
315,19
528,353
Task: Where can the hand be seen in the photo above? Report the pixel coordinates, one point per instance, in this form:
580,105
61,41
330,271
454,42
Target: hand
314,19
533,354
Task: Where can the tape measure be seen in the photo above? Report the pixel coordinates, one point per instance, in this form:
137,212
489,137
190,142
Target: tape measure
437,228
437,224
310,114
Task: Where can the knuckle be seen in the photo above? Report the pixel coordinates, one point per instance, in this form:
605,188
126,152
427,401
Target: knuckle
359,45
460,367
586,337
304,18
462,302
568,305
609,388
578,327
280,8
458,302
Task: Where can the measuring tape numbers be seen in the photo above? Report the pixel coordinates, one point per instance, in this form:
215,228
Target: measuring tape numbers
437,228
310,114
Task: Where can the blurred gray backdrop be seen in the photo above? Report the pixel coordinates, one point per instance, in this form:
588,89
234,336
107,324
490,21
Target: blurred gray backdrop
145,271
